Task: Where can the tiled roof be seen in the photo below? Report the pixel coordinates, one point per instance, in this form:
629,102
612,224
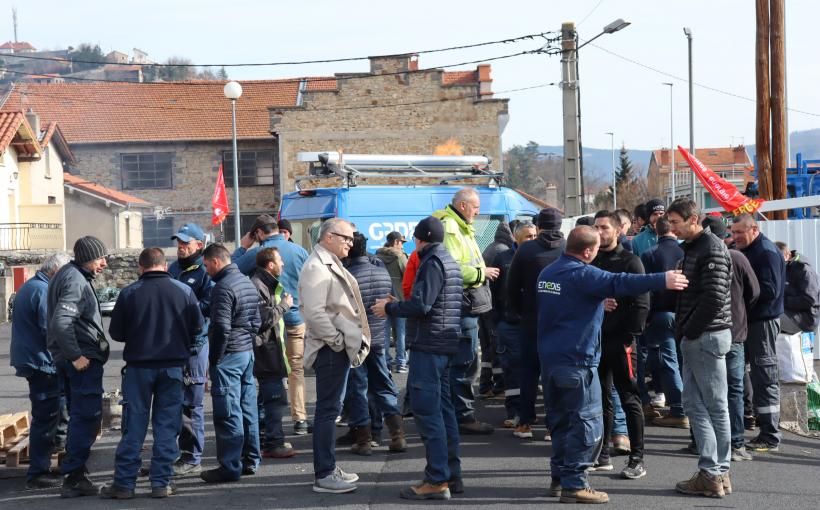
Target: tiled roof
53,131
320,84
103,192
459,78
121,112
711,157
11,124
16,46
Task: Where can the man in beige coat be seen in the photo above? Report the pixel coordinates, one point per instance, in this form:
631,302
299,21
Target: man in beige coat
337,337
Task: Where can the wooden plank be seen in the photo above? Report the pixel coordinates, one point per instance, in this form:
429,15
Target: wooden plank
17,453
12,427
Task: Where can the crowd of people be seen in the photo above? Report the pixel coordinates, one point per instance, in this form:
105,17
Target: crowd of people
586,319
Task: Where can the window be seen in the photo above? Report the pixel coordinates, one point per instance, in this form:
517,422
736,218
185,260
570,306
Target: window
147,171
52,200
255,168
157,232
245,223
47,170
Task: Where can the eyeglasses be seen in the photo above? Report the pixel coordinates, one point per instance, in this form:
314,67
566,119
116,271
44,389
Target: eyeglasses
346,239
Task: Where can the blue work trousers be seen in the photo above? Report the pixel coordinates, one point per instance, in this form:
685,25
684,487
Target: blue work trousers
154,393
509,356
85,391
331,370
274,400
47,410
428,383
530,374
396,325
464,369
192,433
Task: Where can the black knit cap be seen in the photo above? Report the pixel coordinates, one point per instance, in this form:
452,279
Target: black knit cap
655,205
549,219
88,248
430,229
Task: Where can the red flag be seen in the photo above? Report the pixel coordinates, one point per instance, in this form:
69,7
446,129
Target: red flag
724,192
219,203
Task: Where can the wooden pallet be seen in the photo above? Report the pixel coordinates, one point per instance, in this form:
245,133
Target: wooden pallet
17,453
12,427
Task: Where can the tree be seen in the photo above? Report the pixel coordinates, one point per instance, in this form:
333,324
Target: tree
222,74
520,165
87,53
177,69
624,173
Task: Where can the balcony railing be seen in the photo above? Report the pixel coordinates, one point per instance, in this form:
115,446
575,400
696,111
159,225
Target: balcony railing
31,236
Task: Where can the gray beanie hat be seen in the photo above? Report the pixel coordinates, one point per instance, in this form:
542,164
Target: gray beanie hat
88,248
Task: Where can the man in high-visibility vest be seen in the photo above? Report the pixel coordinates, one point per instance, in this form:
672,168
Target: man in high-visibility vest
459,240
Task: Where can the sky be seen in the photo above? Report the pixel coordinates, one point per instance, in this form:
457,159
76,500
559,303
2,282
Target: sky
619,93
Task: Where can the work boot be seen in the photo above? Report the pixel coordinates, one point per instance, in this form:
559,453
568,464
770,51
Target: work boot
163,492
650,413
677,422
475,427
555,487
348,438
78,484
585,495
114,491
395,426
426,490
621,445
702,484
362,445
727,483
46,481
456,485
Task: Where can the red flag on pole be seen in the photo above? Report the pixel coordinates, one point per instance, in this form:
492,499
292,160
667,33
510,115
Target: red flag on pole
219,203
724,192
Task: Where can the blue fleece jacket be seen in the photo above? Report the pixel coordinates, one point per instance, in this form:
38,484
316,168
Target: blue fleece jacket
570,298
29,326
294,257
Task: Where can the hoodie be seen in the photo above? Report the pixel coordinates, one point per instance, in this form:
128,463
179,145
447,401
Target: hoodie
503,242
530,258
395,260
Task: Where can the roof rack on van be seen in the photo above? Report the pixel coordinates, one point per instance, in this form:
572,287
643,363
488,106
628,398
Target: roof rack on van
351,167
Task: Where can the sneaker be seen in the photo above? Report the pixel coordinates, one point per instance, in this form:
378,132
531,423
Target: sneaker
760,446
78,484
248,470
426,490
676,422
555,487
216,476
163,492
605,465
510,423
182,468
301,428
650,413
347,477
702,484
280,452
740,454
658,400
334,483
523,431
749,422
585,495
620,443
634,469
143,471
114,491
47,481
727,483
548,436
402,369
475,427
456,485
486,393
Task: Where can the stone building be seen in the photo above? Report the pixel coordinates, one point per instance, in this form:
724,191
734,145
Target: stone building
164,142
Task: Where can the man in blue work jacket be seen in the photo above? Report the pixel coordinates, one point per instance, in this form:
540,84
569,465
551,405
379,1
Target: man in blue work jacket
570,300
189,269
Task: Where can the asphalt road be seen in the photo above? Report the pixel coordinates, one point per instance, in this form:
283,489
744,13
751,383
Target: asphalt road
500,471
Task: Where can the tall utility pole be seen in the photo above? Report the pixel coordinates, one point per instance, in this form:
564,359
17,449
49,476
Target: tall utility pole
780,156
14,20
762,118
688,32
569,86
614,175
672,140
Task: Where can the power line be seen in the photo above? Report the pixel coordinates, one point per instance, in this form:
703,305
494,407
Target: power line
286,63
590,13
686,80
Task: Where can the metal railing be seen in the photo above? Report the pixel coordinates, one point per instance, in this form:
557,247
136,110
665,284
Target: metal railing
28,236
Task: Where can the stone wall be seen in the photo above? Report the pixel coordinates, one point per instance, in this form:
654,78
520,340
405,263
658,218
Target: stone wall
121,271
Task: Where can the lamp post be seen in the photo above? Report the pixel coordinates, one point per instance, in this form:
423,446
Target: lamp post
614,176
671,139
688,32
233,90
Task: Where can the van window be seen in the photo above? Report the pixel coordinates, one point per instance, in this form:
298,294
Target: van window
485,226
306,232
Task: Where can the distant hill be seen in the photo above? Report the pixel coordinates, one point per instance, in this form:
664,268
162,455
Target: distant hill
805,142
598,162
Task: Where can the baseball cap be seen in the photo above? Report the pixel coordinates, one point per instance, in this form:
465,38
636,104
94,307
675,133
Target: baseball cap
261,221
394,236
189,231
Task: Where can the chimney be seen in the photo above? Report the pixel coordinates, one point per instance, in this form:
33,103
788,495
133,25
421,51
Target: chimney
485,82
388,64
33,121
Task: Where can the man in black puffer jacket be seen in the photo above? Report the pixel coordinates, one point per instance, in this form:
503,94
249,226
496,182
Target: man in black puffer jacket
234,324
703,320
529,259
433,314
372,378
801,300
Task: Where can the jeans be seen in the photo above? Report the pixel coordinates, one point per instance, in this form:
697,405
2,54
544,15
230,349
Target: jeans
616,367
764,375
236,419
85,413
192,433
371,379
274,400
530,373
735,368
464,369
705,398
428,383
331,370
396,325
509,356
47,409
573,399
660,334
154,392
619,416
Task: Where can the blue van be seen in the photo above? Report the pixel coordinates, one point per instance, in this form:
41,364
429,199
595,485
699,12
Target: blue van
379,210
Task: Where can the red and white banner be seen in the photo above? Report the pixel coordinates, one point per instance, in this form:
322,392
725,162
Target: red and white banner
219,203
724,192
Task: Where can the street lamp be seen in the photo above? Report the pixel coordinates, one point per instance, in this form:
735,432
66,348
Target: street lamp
618,24
614,176
688,32
233,90
672,140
